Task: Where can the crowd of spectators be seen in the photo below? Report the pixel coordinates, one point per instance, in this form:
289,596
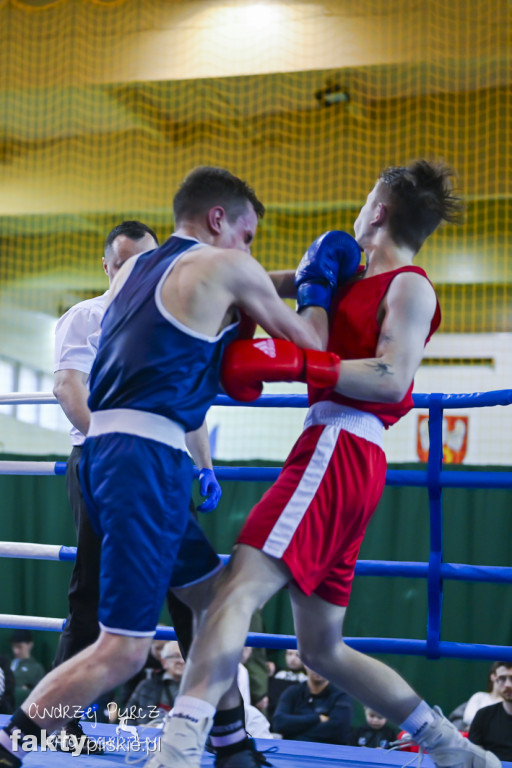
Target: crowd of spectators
288,701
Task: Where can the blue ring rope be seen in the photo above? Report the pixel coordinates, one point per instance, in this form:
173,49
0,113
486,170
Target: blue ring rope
406,477
365,644
378,645
494,574
421,400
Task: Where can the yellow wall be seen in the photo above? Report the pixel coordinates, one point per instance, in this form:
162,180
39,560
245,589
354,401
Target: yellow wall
104,106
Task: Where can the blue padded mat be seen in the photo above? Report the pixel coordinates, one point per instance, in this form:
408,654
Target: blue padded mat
282,753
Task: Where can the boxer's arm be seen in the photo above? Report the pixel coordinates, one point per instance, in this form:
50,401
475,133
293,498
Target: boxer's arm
203,290
410,304
318,319
252,289
198,444
284,282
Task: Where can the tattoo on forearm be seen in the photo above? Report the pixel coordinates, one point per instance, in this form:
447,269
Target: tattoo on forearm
383,369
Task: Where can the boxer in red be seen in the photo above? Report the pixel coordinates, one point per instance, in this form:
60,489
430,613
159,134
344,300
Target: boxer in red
306,531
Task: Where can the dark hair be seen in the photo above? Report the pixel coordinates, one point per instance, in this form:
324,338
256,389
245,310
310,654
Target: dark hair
493,670
135,230
21,636
206,186
421,196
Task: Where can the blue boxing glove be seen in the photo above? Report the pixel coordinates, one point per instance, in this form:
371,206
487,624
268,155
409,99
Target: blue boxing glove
330,259
208,486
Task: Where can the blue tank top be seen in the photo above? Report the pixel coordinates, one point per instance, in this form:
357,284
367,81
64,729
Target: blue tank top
149,361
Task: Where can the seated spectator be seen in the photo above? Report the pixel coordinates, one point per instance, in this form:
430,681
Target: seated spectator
154,696
456,717
314,711
6,687
27,670
281,680
256,664
294,671
492,726
256,724
376,733
482,698
153,664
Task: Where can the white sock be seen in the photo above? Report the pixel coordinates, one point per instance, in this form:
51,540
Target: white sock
420,717
191,708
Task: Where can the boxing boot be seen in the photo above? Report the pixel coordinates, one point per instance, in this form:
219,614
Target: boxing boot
448,748
182,743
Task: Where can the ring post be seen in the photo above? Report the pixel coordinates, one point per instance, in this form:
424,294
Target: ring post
434,578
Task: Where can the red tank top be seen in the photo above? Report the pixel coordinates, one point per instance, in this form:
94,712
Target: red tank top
354,335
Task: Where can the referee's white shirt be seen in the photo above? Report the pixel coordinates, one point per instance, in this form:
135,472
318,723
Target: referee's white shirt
77,336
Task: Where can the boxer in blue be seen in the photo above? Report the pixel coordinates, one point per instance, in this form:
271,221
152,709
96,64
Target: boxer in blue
171,312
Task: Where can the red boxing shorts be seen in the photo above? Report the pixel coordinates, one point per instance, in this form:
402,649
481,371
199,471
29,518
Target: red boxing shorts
315,515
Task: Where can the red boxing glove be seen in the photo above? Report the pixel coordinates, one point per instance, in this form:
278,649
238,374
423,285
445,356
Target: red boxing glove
247,364
322,368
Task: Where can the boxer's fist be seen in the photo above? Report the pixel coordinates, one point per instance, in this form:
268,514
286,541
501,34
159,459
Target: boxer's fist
209,487
330,259
247,364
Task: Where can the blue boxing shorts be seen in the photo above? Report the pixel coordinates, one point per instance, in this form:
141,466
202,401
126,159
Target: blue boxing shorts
137,493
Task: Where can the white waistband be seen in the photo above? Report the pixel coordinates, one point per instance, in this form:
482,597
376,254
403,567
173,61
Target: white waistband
358,423
140,423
